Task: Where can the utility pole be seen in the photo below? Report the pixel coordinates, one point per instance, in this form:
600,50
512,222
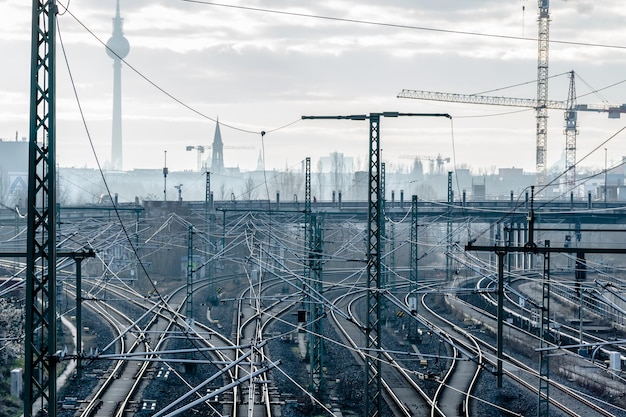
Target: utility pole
374,357
179,187
40,338
606,168
78,259
165,172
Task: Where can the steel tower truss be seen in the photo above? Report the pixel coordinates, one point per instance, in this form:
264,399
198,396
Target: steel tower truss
211,247
449,230
542,90
190,271
384,276
543,409
317,384
40,344
571,131
307,218
413,273
373,361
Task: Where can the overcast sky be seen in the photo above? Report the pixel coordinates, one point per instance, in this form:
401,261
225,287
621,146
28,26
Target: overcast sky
259,71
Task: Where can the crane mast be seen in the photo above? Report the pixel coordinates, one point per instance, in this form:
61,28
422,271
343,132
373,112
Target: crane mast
542,91
571,131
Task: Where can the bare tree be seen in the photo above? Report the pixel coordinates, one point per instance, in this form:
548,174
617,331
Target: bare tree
320,179
337,171
249,189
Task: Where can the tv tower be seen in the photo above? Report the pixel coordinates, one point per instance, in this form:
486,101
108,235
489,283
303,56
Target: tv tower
117,48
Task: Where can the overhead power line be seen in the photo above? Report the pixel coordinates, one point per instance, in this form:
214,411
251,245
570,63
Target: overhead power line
170,95
401,26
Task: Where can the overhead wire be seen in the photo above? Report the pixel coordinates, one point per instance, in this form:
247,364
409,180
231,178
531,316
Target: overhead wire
264,158
518,204
399,26
167,307
167,93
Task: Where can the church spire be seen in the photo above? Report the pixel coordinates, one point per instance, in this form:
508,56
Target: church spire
217,161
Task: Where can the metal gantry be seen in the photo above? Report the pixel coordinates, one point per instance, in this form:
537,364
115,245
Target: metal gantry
373,361
40,343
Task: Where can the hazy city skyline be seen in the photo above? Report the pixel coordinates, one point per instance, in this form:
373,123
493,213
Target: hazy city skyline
259,70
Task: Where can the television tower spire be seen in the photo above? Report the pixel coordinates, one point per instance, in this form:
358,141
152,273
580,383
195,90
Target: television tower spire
117,48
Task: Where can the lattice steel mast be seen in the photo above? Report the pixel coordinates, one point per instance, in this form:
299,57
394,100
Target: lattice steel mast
374,357
40,344
413,271
190,272
317,384
542,90
571,131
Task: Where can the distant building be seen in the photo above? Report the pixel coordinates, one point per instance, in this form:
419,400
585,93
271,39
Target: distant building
336,162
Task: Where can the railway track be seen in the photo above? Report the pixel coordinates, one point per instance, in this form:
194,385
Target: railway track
125,379
403,395
566,399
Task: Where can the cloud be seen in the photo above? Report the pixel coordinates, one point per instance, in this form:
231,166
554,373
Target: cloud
262,70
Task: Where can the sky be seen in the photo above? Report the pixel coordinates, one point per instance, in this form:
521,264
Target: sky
260,65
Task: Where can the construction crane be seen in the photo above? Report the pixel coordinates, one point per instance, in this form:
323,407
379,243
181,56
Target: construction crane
541,104
541,110
571,118
432,159
200,150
